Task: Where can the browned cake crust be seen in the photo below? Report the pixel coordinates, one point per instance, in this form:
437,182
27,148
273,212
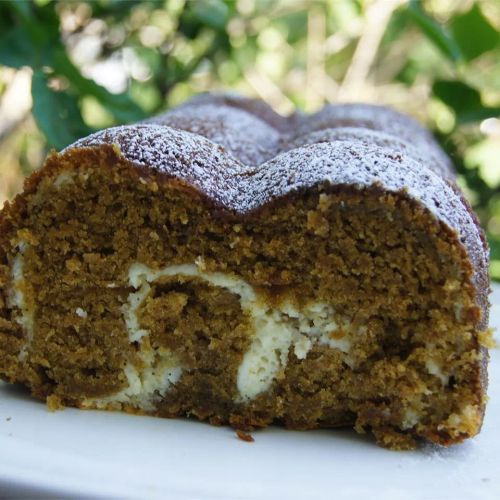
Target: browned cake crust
177,270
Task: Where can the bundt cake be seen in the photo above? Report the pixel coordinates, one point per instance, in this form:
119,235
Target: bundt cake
226,263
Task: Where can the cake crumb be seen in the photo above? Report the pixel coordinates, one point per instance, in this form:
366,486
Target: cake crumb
487,338
54,403
244,436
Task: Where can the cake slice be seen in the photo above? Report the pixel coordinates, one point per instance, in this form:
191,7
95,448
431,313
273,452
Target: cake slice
340,283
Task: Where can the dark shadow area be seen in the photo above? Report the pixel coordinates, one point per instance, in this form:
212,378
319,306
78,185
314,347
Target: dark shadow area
19,392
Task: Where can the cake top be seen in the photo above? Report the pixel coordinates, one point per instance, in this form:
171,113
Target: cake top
253,133
427,155
370,116
381,119
248,138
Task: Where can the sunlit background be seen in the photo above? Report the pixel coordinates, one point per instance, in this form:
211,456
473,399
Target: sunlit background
67,68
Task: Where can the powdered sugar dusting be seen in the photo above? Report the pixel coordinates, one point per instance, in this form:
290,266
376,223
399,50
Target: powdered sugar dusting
368,116
431,157
245,136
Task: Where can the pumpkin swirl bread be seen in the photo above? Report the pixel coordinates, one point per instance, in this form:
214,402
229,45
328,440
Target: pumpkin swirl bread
223,262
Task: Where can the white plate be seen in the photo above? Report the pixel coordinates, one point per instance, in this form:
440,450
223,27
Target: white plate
99,454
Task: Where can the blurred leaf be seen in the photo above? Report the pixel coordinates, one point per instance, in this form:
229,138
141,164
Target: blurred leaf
22,8
464,100
148,95
121,106
16,49
296,23
212,13
115,11
151,57
473,33
31,41
397,26
5,17
434,31
57,114
202,14
474,180
494,247
41,23
458,95
408,73
36,43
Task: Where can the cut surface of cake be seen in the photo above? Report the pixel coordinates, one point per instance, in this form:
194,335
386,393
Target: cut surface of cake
299,272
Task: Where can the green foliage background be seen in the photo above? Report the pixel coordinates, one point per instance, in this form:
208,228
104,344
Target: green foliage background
438,60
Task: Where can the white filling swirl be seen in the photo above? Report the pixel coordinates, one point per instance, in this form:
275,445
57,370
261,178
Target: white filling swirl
276,330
